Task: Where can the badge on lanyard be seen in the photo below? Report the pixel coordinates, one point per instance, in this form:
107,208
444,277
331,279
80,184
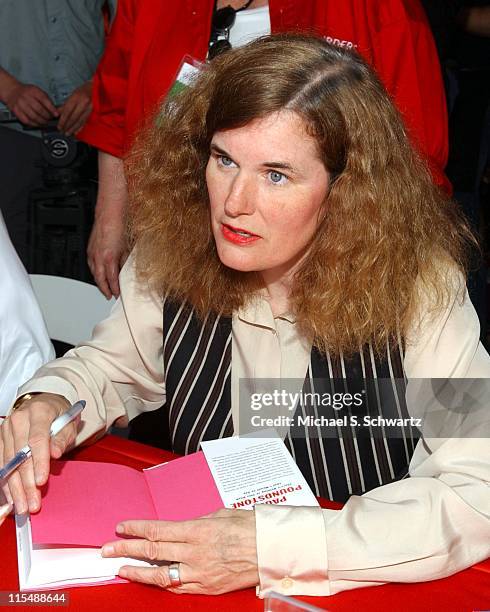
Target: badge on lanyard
188,71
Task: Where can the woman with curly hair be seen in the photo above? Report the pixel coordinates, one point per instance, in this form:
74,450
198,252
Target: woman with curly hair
284,228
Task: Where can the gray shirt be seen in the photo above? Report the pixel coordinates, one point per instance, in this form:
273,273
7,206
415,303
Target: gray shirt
54,44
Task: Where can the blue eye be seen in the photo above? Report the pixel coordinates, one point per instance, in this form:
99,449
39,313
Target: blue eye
278,178
225,161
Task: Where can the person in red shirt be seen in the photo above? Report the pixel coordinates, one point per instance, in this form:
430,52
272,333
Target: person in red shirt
147,45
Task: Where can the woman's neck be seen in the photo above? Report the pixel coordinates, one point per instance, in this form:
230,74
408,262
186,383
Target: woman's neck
277,293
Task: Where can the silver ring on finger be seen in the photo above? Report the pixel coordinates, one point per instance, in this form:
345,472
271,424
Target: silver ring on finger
174,574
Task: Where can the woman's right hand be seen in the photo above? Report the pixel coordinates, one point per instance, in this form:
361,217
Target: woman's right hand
30,424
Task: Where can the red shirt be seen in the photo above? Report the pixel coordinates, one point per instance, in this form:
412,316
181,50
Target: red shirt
149,40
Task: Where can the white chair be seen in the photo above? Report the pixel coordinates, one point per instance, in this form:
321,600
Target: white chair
70,307
71,310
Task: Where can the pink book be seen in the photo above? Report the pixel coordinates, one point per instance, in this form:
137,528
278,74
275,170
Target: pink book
84,501
82,504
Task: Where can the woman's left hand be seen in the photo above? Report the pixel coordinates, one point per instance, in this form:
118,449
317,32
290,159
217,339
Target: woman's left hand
217,553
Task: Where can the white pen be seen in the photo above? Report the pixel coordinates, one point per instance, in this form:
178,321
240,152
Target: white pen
56,426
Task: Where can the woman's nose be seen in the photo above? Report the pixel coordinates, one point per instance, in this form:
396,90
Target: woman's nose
241,197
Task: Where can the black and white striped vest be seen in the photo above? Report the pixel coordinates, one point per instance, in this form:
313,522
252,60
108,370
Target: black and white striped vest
197,363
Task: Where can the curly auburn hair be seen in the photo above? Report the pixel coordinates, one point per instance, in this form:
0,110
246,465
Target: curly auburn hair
386,225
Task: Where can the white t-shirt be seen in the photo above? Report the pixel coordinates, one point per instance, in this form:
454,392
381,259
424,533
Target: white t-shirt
250,24
24,341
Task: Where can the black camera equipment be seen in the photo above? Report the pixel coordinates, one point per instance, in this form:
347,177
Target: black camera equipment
61,211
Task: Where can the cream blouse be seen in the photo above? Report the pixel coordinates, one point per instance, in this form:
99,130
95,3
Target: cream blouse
420,528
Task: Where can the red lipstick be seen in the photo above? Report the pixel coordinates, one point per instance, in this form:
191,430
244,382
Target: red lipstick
237,235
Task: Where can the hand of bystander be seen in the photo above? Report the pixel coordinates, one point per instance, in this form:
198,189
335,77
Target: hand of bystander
29,103
75,111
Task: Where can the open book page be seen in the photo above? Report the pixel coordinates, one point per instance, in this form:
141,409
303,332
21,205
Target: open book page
183,489
48,567
251,471
83,502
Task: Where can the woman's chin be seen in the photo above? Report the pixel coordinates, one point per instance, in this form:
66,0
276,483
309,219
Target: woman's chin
239,267
237,263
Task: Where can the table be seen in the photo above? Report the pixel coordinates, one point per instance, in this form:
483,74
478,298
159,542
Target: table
466,591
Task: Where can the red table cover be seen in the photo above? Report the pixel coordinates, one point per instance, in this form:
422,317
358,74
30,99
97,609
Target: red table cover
466,591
